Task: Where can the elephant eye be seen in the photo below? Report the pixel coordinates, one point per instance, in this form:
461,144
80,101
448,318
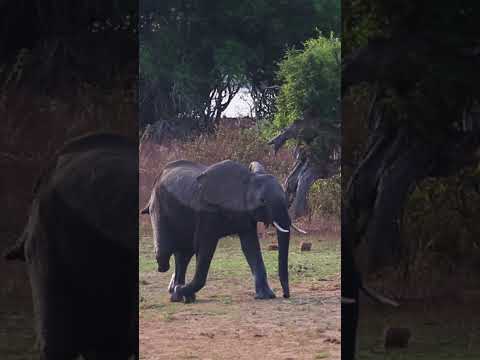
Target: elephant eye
262,200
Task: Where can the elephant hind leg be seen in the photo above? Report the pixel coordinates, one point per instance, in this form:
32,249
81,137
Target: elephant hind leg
178,278
204,258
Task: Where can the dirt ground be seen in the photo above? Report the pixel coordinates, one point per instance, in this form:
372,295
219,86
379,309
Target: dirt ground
227,322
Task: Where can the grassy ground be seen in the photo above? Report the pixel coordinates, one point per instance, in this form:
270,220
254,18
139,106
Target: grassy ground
446,329
227,323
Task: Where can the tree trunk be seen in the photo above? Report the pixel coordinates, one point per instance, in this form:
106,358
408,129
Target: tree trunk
395,161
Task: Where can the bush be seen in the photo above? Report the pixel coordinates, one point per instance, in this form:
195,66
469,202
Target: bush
310,82
441,223
325,198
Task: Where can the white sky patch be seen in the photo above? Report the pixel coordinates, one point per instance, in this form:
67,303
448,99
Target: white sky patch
241,105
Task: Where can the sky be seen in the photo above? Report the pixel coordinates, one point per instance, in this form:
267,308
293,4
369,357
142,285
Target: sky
240,104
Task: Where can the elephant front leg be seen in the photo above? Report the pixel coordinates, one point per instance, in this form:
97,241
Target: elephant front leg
253,254
204,257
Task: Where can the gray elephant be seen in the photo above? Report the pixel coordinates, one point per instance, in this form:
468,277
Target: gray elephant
81,249
192,206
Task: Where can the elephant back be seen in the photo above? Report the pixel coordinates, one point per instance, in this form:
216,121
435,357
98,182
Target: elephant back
95,179
179,181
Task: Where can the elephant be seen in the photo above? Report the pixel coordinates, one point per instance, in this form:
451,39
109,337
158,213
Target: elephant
80,246
192,206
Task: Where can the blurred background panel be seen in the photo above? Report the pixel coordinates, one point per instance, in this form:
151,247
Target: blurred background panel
67,69
410,216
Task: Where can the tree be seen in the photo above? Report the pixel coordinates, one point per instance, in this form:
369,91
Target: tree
422,81
307,109
65,41
416,63
194,55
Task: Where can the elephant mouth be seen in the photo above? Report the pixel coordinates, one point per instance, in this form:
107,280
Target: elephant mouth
261,215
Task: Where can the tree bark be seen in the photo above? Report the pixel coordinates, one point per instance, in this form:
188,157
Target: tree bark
305,170
395,161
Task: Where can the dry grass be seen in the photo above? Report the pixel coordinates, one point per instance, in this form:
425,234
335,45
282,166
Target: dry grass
244,145
233,143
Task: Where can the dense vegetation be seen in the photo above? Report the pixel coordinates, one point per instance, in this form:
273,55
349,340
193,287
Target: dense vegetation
307,110
194,56
414,85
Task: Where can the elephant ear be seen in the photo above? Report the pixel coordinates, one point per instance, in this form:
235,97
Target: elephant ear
225,184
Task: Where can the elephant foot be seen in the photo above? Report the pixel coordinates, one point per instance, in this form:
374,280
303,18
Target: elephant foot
265,293
177,297
190,299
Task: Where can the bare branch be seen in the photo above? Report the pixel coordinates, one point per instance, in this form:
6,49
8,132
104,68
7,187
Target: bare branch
288,133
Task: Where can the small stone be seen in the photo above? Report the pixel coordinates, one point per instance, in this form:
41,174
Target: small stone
272,247
305,246
332,340
207,334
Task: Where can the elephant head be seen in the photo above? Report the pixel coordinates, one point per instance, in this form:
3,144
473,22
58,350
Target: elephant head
234,188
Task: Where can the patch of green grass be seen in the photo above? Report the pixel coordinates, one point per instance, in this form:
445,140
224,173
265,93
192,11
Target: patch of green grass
147,264
323,261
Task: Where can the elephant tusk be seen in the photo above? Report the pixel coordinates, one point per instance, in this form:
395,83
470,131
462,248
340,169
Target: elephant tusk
298,229
348,300
279,228
379,298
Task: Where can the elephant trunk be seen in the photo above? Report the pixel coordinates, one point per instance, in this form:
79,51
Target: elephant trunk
283,220
162,251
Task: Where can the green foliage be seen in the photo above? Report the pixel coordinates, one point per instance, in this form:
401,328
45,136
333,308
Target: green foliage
441,222
229,262
191,51
431,83
310,79
325,197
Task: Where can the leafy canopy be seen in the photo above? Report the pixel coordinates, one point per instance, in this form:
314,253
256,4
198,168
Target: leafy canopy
191,51
311,82
310,79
